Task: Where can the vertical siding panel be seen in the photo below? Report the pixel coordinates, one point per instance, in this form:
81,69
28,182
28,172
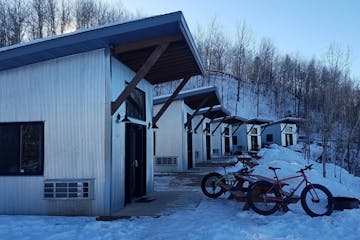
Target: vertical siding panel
69,95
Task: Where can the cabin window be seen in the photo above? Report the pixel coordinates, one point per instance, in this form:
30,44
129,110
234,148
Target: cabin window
227,131
254,130
207,128
269,137
289,129
22,148
135,105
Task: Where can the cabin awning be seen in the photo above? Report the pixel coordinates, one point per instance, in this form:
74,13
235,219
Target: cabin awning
131,42
216,112
194,97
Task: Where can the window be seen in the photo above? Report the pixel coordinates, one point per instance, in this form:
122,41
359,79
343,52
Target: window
254,131
269,137
207,128
289,129
22,148
227,131
135,105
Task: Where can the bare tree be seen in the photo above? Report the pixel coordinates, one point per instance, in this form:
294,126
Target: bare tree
3,24
17,14
65,16
52,16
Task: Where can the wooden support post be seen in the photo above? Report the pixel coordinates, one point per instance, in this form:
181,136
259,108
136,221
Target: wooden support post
250,129
169,100
202,119
155,55
282,130
222,120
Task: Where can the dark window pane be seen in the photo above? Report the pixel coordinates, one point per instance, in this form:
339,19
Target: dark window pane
227,131
269,137
63,185
61,195
135,105
85,195
9,149
73,195
31,147
47,195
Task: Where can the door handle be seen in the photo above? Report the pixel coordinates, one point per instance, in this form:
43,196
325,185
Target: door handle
136,163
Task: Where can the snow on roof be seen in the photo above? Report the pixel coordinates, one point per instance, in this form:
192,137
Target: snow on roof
288,120
215,112
258,121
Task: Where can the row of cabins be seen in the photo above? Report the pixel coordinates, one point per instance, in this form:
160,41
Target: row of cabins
197,128
77,121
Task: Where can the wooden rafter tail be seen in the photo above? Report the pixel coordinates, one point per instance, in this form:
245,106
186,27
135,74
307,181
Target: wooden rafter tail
196,111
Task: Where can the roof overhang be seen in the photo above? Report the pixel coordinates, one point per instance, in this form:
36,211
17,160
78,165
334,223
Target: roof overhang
193,98
131,42
216,112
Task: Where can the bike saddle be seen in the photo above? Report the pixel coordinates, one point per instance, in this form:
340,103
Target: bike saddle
274,168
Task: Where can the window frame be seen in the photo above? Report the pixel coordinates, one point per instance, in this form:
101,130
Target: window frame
20,152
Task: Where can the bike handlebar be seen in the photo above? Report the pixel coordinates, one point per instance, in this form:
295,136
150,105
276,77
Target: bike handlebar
308,167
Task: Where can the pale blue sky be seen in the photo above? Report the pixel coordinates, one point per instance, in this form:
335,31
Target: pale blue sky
304,27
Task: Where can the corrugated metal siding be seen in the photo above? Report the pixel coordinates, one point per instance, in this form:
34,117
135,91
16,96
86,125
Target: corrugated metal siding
68,94
120,74
169,135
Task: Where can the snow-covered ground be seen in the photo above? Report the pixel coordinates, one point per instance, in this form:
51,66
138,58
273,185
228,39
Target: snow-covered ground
212,218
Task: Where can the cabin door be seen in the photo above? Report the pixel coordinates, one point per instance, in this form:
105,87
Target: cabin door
254,143
227,145
189,144
208,147
289,140
135,161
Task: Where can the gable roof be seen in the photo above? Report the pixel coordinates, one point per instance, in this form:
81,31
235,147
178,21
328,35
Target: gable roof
131,42
194,97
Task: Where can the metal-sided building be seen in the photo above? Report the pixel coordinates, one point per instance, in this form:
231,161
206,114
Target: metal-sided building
203,139
248,136
221,139
76,114
282,132
175,138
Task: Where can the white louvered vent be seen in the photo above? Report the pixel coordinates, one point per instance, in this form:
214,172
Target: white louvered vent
165,160
69,189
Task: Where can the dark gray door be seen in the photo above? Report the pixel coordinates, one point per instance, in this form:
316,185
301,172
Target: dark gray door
135,161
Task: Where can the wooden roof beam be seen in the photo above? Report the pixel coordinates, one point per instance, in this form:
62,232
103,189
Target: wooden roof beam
169,101
155,55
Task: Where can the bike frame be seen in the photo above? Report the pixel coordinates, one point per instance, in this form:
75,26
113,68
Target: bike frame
277,184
